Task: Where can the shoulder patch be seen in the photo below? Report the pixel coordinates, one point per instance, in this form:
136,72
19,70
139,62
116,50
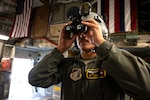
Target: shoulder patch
76,74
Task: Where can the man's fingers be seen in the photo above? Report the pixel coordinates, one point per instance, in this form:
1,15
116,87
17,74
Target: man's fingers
90,23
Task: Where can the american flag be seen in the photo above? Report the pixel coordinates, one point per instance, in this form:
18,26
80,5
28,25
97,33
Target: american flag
120,14
22,19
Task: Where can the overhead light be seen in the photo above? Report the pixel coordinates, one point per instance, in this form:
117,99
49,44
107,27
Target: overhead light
4,37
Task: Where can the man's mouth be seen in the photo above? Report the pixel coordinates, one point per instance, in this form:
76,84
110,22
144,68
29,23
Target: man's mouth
84,41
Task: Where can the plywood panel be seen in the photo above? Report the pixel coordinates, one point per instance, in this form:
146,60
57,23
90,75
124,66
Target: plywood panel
41,20
55,29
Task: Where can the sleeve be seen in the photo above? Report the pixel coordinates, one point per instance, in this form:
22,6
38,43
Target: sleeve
131,72
46,72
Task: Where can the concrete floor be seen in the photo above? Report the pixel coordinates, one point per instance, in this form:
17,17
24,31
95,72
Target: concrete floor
34,97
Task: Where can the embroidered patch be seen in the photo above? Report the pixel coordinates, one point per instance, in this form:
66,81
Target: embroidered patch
95,73
102,73
76,74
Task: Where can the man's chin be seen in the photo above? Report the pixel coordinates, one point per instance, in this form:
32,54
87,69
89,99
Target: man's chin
86,49
86,46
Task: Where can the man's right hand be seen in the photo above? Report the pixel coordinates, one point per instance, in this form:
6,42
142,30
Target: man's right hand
65,42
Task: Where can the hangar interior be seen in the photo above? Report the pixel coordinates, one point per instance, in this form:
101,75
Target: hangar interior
44,24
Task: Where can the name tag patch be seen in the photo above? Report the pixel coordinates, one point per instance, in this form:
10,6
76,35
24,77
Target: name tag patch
95,73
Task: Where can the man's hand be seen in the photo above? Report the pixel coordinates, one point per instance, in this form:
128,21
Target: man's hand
95,31
65,41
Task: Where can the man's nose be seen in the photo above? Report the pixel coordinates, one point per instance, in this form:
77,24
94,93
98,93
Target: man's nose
82,35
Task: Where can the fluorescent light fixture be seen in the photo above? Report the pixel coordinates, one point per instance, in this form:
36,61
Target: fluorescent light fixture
4,37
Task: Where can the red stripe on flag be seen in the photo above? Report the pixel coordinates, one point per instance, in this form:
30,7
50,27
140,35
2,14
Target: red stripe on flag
133,14
106,10
117,15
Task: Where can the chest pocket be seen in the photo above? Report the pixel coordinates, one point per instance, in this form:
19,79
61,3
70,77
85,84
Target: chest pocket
95,73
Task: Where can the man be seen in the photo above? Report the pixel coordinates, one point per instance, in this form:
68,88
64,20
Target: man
100,72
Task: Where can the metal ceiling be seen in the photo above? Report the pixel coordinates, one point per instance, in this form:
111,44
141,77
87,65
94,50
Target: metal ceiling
7,14
143,13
